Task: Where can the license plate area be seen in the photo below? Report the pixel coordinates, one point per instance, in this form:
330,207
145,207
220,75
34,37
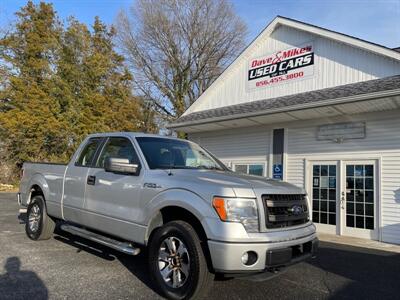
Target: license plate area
286,256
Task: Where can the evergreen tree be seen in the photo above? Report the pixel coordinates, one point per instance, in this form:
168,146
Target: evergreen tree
61,83
31,127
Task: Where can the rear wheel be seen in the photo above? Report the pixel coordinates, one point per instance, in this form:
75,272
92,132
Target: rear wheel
39,225
177,262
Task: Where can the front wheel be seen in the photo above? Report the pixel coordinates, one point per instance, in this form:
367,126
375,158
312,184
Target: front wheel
177,262
39,225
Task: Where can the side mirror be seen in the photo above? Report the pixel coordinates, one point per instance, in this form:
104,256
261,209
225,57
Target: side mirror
121,165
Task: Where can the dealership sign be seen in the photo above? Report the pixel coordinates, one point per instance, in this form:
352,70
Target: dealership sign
281,67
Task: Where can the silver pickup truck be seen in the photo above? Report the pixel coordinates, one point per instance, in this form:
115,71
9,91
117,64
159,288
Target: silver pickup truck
195,217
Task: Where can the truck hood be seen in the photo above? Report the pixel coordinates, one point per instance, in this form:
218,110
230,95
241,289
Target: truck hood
240,183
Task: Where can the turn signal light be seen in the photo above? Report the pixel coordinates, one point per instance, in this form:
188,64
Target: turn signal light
219,206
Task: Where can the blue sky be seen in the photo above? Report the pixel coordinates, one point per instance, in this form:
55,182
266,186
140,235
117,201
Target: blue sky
373,20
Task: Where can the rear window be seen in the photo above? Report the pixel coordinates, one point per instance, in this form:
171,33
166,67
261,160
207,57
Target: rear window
86,157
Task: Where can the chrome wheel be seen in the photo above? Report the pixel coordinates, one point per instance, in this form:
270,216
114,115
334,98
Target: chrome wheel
174,262
34,218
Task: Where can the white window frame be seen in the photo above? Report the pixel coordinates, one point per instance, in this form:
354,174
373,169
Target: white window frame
341,158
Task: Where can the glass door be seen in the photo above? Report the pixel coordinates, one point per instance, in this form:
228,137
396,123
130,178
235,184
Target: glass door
325,196
358,199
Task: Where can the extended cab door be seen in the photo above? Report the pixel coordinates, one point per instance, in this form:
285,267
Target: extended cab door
75,179
113,199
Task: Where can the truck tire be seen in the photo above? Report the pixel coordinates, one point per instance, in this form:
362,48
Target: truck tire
39,226
177,262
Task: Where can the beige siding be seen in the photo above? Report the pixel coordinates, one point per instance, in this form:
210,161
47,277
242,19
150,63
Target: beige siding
391,197
382,142
383,139
251,144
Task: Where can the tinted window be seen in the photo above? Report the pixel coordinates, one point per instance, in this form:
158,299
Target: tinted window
88,152
164,153
117,148
256,170
241,169
252,169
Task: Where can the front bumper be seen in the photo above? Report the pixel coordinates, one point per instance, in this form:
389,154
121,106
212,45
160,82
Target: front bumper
226,257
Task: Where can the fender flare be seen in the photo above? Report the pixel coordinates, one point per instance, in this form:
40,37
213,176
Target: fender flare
182,198
41,182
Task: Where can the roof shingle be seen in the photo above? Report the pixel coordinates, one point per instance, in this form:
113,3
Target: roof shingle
263,106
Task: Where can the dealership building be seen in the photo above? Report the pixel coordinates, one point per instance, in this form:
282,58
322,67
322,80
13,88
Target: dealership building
319,109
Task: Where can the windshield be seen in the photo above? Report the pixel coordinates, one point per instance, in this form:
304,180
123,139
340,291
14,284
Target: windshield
161,153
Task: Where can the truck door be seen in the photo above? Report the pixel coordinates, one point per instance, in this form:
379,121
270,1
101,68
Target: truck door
75,179
112,200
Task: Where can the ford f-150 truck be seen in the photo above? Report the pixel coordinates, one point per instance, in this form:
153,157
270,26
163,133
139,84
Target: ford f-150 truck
195,217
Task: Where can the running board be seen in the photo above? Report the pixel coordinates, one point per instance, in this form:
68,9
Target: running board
123,247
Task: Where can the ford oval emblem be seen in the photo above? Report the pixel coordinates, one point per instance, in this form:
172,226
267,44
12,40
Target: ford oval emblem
296,210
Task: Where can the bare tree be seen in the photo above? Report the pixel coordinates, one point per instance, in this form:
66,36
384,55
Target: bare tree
177,48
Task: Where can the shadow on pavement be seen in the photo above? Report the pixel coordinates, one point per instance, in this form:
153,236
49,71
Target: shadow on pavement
346,271
137,265
22,218
18,284
369,273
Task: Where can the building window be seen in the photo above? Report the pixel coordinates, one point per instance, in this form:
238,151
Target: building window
278,140
250,168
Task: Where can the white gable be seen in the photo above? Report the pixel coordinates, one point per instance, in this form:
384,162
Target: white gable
338,60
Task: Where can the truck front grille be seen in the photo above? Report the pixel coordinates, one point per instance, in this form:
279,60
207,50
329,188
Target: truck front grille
285,210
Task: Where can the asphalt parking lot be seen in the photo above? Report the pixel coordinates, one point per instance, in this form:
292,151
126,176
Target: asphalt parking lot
67,267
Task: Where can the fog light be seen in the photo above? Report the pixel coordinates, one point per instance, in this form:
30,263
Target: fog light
245,258
249,258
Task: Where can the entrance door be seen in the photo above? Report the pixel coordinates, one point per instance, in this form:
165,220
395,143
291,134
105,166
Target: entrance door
358,199
325,196
343,196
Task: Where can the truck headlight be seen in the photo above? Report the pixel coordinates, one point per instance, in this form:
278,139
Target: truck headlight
238,210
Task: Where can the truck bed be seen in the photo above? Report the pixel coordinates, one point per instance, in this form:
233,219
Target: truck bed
51,174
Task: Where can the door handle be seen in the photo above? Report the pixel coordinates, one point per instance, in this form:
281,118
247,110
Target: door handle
342,202
91,180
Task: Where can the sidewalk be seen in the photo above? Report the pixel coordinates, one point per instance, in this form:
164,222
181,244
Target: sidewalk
357,242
